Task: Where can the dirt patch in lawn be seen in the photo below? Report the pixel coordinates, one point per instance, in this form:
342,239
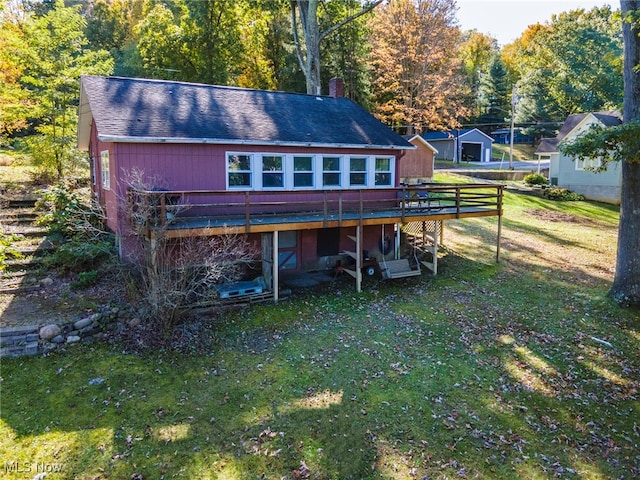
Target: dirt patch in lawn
555,217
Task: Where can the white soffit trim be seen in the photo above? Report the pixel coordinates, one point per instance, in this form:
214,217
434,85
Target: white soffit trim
219,141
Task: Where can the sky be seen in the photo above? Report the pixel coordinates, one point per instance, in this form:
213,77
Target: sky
505,20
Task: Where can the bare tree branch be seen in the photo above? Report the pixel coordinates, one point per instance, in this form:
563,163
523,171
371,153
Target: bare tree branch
365,9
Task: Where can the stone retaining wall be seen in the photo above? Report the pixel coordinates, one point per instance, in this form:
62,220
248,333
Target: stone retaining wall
34,339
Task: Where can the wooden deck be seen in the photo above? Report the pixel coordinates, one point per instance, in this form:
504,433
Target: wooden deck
204,213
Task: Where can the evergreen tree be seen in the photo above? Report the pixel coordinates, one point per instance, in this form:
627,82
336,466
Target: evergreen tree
494,93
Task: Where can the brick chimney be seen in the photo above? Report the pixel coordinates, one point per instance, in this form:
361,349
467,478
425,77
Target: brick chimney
336,87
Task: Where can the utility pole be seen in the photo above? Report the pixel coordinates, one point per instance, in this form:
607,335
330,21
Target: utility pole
514,100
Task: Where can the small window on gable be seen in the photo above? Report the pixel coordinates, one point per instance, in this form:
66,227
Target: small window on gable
239,170
272,171
383,172
104,169
303,172
358,171
331,171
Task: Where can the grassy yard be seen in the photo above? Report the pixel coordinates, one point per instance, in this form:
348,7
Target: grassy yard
521,151
522,369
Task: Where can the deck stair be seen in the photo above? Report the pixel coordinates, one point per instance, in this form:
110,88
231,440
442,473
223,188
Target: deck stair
424,237
19,218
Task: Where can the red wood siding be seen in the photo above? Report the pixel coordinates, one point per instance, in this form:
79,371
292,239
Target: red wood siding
416,165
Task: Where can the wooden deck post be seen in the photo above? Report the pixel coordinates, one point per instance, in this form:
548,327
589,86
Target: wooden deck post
500,197
276,279
498,240
359,258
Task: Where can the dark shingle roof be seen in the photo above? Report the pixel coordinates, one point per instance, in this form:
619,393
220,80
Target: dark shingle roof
452,134
445,135
607,118
548,145
129,110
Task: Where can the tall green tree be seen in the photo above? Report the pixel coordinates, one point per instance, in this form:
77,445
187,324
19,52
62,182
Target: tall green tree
494,93
55,56
622,144
110,26
475,52
192,40
418,80
345,52
571,64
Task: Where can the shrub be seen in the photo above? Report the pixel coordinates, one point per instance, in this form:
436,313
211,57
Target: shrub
535,179
67,213
563,194
79,256
85,280
7,249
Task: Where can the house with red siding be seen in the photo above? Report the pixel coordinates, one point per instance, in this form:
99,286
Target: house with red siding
417,165
314,180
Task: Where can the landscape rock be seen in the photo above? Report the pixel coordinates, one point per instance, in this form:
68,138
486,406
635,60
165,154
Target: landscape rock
58,339
46,282
73,339
134,322
85,322
49,331
49,347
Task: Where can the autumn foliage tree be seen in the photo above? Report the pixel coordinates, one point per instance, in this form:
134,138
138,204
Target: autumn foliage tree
418,80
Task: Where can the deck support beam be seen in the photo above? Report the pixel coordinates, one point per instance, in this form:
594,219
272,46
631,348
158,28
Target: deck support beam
499,238
276,268
359,258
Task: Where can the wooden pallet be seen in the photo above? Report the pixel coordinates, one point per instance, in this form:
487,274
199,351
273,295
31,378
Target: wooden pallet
241,289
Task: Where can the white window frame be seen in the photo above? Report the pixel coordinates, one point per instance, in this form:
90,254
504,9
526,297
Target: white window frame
317,171
282,172
366,172
339,172
290,166
390,171
105,170
587,164
251,171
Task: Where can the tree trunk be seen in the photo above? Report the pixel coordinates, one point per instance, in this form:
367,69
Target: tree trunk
626,283
309,57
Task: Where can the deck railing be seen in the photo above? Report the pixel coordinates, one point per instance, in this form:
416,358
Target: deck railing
156,208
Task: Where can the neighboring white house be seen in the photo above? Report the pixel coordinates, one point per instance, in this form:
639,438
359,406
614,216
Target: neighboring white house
576,175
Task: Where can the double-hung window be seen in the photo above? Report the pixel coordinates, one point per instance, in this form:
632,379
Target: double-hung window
358,171
104,169
383,172
272,171
331,172
239,170
302,172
